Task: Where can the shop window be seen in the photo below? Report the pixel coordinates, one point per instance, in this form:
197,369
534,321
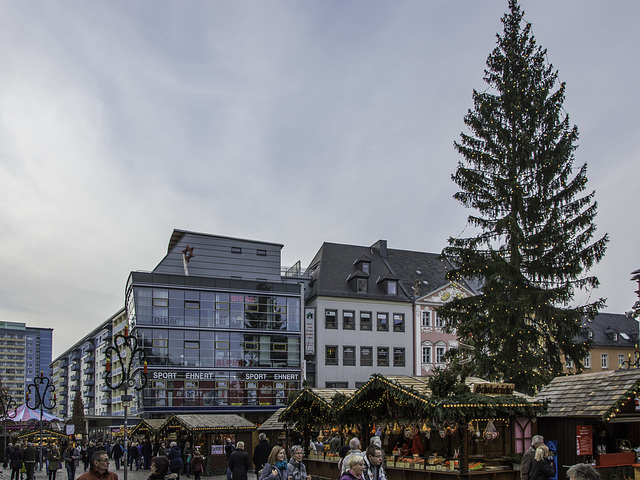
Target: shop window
330,320
383,356
348,320
331,355
349,355
366,356
365,321
398,322
383,322
398,357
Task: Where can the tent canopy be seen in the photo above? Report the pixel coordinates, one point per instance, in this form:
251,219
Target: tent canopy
25,414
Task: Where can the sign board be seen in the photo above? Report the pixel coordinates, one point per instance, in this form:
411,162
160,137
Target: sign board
584,440
217,449
494,388
70,429
309,331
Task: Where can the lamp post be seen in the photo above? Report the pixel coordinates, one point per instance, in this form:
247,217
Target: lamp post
124,352
7,403
40,399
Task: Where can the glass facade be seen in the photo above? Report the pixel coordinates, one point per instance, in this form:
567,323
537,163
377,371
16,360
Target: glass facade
216,350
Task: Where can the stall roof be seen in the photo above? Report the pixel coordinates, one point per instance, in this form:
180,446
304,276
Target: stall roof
272,423
590,395
316,402
211,422
152,424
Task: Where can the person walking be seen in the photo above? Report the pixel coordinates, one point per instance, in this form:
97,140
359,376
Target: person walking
261,453
15,462
116,452
70,457
187,456
197,463
296,470
7,455
239,463
29,459
99,469
147,450
175,459
276,466
54,458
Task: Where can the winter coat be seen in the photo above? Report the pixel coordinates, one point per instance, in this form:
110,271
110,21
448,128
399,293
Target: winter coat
541,470
197,463
175,459
261,454
240,464
54,460
16,458
297,470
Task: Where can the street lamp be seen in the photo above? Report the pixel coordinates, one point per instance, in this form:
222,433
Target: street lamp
40,399
7,403
124,351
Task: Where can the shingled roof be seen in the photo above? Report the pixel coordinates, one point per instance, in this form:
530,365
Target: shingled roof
272,423
589,395
212,422
610,330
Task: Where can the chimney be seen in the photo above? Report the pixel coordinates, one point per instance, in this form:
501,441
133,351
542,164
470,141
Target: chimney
382,246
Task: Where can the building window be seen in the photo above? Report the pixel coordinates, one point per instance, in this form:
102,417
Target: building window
568,362
620,360
398,322
361,285
349,355
160,302
587,361
331,355
398,357
191,304
262,253
365,267
383,356
236,250
392,288
348,320
366,356
426,318
365,321
605,360
330,320
383,322
336,384
426,354
438,321
440,351
589,334
615,336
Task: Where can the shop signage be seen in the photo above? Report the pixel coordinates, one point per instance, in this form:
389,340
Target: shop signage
160,375
309,331
584,440
494,388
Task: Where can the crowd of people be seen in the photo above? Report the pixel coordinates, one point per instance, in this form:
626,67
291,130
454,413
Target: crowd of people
94,458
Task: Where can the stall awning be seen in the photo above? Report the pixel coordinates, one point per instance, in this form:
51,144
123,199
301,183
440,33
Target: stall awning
150,425
313,406
597,395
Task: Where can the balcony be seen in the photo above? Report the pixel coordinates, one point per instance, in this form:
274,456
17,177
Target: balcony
90,383
75,388
105,401
89,371
88,393
62,401
75,377
90,348
75,366
89,359
104,388
64,384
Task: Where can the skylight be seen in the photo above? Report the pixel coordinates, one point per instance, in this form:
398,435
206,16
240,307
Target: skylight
624,335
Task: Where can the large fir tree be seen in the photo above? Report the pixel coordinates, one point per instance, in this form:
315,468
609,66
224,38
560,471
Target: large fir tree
532,243
77,415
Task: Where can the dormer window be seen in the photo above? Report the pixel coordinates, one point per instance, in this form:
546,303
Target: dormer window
361,285
363,264
365,267
392,287
589,334
615,336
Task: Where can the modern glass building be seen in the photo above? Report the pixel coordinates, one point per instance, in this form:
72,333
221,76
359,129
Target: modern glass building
220,326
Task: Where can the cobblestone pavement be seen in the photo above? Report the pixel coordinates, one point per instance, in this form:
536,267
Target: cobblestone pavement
5,474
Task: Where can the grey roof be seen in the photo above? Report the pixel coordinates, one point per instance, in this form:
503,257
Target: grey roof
588,395
335,263
272,423
214,422
605,325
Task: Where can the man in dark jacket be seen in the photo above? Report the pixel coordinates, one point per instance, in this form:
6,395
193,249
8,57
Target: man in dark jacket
261,453
29,459
175,459
239,463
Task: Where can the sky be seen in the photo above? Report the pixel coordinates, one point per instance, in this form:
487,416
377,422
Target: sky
286,121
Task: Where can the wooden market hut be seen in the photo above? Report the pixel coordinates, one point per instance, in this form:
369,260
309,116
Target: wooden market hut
404,405
605,402
312,409
277,431
208,431
147,428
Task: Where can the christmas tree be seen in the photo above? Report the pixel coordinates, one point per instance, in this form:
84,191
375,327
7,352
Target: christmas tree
532,243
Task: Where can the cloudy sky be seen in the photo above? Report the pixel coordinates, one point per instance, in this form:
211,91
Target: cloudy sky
288,121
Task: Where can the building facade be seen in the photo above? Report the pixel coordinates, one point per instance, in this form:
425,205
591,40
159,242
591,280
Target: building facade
24,353
365,310
220,326
614,343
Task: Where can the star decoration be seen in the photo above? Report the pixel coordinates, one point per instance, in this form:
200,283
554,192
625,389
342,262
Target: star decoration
188,253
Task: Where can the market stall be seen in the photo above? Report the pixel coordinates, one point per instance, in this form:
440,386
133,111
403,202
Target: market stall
209,433
147,428
597,414
453,429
